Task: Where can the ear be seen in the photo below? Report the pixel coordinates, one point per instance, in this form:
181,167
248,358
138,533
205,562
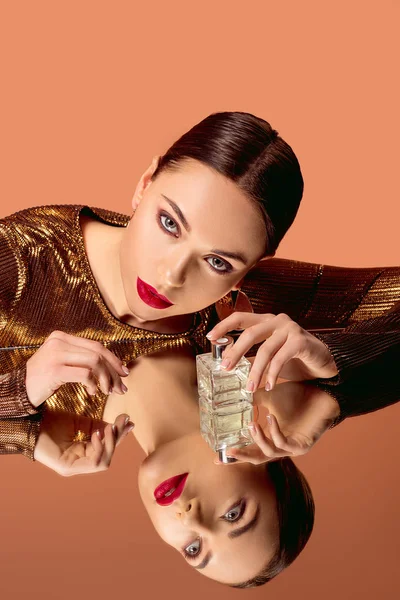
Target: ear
144,182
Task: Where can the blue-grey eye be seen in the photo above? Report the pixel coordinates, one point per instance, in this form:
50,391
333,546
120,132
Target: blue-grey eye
234,513
193,549
167,218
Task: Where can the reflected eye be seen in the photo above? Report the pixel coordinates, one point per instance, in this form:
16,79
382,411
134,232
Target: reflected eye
192,550
235,513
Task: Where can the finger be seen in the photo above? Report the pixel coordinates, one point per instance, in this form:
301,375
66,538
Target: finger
123,426
237,320
109,443
280,441
94,346
98,448
100,368
264,355
266,445
289,350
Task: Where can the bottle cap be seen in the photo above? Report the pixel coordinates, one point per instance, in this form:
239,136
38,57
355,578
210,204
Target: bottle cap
222,457
219,345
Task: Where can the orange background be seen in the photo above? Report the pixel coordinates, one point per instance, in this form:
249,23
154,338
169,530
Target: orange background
90,92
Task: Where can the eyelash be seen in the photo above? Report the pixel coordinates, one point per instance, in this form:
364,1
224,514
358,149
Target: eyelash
242,504
228,268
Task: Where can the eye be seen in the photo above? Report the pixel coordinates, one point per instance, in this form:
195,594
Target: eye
167,224
192,550
235,513
226,266
168,220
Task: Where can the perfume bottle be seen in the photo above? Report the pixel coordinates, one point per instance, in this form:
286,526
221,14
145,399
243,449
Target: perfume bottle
226,407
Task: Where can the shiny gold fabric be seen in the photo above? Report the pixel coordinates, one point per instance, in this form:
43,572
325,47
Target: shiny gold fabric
47,284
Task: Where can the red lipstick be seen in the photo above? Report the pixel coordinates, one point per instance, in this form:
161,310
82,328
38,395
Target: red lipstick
170,489
150,296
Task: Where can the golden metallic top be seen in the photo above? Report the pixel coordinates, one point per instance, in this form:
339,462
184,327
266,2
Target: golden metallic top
46,284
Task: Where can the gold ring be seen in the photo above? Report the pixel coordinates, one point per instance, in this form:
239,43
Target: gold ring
81,436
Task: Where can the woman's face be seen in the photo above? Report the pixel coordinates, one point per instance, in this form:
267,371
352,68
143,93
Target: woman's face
225,518
187,226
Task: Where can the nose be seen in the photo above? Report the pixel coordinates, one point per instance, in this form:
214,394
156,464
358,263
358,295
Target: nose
188,511
174,270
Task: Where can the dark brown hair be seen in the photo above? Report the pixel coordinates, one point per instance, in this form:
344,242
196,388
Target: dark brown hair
295,506
245,149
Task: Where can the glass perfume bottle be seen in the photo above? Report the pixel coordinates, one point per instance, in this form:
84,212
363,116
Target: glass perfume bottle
226,407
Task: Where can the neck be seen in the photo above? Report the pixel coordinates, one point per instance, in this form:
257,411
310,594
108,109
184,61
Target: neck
161,400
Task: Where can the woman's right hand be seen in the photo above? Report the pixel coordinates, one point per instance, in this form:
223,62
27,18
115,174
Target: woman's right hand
58,449
64,358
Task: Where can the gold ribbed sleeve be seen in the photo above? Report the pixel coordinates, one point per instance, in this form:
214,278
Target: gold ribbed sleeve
359,308
46,284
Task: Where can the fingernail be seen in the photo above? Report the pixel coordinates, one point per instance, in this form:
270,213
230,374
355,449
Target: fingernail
98,433
267,386
114,430
253,429
110,390
250,386
125,369
269,419
209,335
225,364
124,388
130,428
127,419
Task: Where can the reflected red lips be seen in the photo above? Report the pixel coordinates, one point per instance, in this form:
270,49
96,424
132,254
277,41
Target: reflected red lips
170,489
150,296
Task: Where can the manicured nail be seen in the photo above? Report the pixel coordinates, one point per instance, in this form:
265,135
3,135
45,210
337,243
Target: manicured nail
124,388
209,335
267,386
269,419
225,363
130,428
114,430
98,433
250,386
125,369
127,419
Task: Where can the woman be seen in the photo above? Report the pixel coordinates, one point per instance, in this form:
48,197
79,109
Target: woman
125,287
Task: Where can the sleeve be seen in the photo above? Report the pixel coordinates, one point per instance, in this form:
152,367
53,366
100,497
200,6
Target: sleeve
14,401
375,386
355,312
19,435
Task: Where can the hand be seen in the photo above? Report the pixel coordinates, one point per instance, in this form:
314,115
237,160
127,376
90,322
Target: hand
289,351
64,358
57,449
302,413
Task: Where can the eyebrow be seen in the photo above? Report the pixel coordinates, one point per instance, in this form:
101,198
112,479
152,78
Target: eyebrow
234,255
233,534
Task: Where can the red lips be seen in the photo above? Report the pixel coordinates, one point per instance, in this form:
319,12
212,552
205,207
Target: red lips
150,296
174,485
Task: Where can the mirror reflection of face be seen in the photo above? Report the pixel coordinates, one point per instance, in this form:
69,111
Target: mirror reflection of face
187,223
224,523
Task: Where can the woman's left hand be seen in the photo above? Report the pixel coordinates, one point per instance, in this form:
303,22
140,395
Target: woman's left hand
289,351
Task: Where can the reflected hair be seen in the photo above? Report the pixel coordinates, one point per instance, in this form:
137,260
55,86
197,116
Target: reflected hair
248,151
295,507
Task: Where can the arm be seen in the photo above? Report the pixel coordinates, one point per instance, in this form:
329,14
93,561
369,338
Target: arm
13,397
20,435
361,304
